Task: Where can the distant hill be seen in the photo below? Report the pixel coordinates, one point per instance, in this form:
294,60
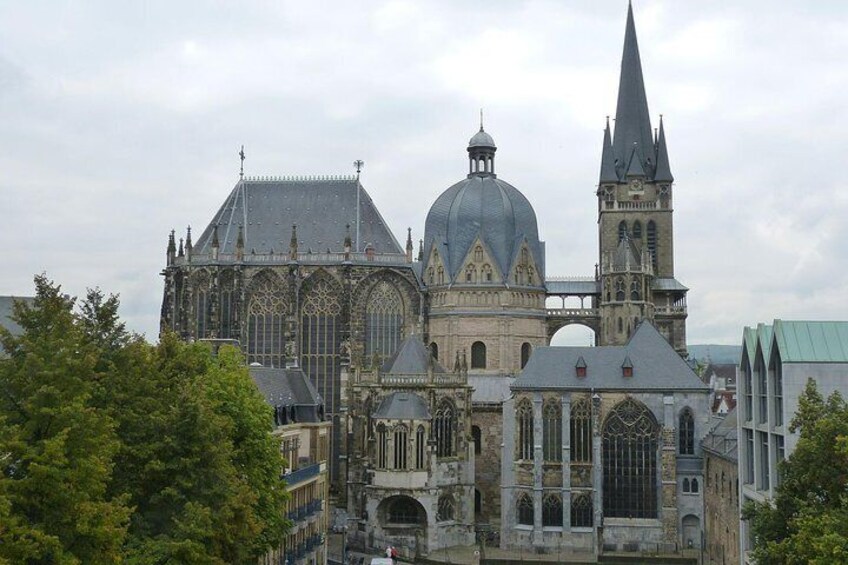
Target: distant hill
715,353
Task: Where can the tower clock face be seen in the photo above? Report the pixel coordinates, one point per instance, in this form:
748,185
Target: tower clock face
636,184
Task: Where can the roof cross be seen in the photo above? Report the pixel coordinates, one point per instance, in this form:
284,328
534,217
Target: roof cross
241,156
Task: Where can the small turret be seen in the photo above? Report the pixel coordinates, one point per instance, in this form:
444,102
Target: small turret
181,253
188,246
420,250
172,249
409,245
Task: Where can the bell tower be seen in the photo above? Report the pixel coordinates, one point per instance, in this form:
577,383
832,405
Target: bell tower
635,207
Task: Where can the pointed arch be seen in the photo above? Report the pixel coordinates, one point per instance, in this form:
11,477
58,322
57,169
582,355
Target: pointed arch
524,509
581,431
686,432
200,285
637,230
552,510
267,309
622,230
384,319
552,431
445,428
524,421
581,511
227,304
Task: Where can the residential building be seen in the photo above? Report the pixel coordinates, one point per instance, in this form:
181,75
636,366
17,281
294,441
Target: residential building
721,492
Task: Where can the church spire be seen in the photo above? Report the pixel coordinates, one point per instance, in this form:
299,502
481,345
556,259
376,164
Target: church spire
663,173
608,173
632,122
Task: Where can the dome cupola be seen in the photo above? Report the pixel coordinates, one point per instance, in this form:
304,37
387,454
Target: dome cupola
481,153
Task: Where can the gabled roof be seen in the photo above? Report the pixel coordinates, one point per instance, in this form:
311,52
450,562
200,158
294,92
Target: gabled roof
722,440
656,366
811,342
402,406
411,358
668,283
285,387
321,209
764,335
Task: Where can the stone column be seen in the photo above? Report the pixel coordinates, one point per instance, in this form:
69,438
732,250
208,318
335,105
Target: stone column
668,512
597,474
538,458
566,461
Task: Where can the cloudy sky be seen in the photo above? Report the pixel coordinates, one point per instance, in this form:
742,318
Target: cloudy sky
120,121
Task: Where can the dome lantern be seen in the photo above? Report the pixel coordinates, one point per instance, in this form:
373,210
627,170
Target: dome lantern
481,153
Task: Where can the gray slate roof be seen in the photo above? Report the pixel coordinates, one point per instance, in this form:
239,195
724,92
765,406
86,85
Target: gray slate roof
668,283
656,366
402,406
6,305
320,208
411,358
484,206
490,389
723,439
285,387
586,286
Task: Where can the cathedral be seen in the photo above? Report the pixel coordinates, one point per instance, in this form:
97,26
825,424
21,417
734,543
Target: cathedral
450,411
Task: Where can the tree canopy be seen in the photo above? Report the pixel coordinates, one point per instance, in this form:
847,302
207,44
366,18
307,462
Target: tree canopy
113,450
807,522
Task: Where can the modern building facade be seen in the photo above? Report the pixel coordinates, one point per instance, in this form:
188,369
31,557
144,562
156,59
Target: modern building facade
601,449
777,361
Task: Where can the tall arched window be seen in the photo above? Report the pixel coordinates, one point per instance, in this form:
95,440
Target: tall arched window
420,448
478,439
686,430
630,447
622,230
552,510
581,431
581,511
446,509
619,289
434,350
201,314
227,305
441,275
652,242
524,415
526,350
524,509
635,291
400,436
478,355
321,340
266,320
552,431
382,446
383,321
637,230
445,423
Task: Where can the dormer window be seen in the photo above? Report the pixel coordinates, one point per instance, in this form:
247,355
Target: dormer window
627,368
478,253
580,368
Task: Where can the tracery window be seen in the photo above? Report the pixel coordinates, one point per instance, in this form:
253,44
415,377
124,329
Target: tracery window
652,242
524,509
635,291
686,431
619,289
622,230
383,321
266,321
524,415
487,273
446,508
637,230
382,447
478,439
201,313
403,510
420,447
478,253
630,443
526,350
478,355
581,511
552,510
470,274
581,431
400,436
445,424
552,431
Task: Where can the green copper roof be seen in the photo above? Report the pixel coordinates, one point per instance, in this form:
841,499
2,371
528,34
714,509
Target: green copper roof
764,333
749,343
811,342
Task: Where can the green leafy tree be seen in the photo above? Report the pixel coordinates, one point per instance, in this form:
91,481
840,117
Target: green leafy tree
56,447
807,522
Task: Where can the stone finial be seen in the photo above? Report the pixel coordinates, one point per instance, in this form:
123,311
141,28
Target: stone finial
420,250
180,252
188,245
293,244
172,248
240,244
409,245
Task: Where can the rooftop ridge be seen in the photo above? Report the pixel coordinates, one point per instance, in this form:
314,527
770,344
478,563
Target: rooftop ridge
299,178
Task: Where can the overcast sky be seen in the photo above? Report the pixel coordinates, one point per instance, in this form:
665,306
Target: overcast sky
120,121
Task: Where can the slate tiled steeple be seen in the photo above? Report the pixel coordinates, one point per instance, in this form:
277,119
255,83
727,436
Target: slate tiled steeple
663,171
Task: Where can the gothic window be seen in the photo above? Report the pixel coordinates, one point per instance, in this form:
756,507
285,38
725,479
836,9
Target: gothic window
695,486
635,293
552,511
552,431
403,510
622,230
420,447
383,321
629,445
434,350
652,242
446,508
487,273
524,415
266,321
430,278
686,487
526,350
226,297
321,343
400,436
470,274
441,274
478,355
619,290
607,289
530,274
382,446
478,439
478,253
524,509
581,431
201,313
581,511
686,429
637,230
445,423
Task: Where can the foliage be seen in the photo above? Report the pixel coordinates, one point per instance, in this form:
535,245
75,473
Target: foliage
808,520
113,449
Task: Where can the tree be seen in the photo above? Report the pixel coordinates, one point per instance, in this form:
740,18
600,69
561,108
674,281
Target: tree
56,448
807,522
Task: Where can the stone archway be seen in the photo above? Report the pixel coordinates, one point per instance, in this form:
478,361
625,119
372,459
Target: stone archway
572,334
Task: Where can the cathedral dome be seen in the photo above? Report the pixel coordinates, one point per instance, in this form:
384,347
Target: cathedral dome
485,207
